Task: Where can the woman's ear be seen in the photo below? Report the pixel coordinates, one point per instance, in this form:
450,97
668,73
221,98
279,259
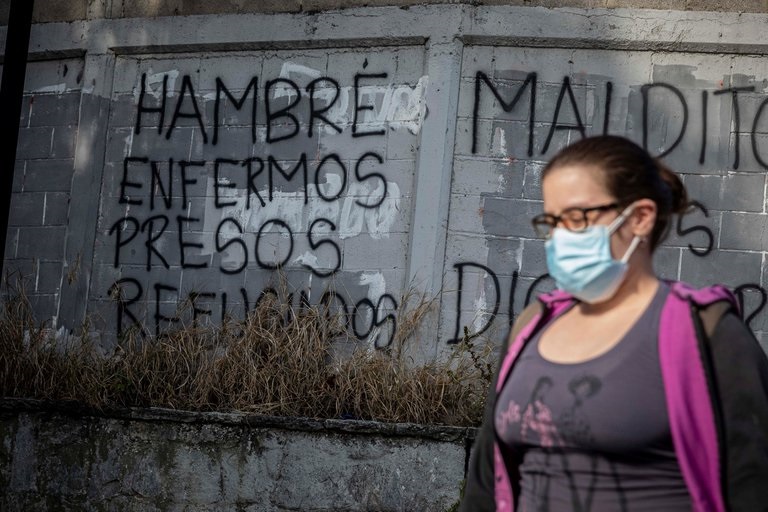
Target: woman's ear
643,217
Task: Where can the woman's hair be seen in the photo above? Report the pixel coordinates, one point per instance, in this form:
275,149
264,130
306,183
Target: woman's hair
629,173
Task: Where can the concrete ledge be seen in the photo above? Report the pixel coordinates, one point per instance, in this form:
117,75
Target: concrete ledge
56,11
67,457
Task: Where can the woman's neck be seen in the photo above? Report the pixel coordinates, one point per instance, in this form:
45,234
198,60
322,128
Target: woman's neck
638,289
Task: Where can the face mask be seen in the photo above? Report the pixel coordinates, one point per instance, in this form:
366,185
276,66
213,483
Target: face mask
581,263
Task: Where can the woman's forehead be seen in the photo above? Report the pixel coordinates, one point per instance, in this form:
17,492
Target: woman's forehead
573,186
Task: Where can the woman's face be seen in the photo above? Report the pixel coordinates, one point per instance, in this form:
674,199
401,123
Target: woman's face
579,186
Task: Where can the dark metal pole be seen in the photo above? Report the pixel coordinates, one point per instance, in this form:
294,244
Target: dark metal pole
11,96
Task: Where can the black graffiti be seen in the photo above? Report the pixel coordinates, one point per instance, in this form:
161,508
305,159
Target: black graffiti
753,135
534,286
458,334
734,91
645,90
288,176
607,115
124,303
221,247
187,91
360,108
253,85
144,179
375,322
740,292
648,92
273,266
283,117
566,88
695,205
461,330
366,317
152,170
373,175
283,113
482,78
117,229
142,109
326,241
156,229
315,113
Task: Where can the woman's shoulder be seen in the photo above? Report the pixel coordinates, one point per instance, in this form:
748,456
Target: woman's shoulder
704,296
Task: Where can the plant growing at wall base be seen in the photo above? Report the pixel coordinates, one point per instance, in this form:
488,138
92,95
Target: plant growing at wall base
277,361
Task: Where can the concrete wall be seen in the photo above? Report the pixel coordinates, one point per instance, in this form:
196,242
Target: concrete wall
176,161
56,10
153,460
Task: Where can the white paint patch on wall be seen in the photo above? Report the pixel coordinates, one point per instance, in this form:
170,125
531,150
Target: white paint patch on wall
56,89
397,106
499,142
480,306
154,84
377,285
350,218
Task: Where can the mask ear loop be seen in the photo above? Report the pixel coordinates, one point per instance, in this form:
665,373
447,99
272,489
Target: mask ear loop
632,246
618,221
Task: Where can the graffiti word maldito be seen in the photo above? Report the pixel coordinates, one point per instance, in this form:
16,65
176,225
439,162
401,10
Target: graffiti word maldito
528,91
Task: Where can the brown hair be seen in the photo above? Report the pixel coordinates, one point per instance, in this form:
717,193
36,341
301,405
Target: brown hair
629,173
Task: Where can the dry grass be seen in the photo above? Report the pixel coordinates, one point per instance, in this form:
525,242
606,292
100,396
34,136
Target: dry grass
277,362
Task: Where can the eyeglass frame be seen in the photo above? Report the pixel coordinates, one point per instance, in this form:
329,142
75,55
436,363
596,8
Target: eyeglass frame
555,220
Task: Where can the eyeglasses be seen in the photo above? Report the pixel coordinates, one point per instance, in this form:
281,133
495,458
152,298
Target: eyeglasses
573,219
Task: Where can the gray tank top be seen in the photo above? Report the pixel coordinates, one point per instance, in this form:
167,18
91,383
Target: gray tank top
594,436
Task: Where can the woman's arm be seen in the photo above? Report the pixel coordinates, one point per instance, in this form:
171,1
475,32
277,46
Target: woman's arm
479,488
479,491
741,375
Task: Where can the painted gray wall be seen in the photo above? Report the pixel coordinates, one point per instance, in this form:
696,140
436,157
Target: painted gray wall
420,206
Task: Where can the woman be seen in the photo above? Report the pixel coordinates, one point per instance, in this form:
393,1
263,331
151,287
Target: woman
620,391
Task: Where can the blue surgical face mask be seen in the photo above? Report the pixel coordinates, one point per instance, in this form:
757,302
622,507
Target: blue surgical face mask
581,263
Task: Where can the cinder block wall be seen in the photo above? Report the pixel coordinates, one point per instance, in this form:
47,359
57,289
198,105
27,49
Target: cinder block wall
168,165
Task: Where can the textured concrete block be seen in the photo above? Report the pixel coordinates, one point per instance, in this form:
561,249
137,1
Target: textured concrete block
742,268
11,243
59,75
44,243
22,271
27,209
401,144
737,192
666,262
34,142
56,209
49,277
534,262
362,253
504,217
54,109
744,231
63,142
48,175
45,308
532,185
19,170
504,255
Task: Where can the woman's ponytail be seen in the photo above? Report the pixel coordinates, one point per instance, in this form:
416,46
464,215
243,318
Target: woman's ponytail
678,196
